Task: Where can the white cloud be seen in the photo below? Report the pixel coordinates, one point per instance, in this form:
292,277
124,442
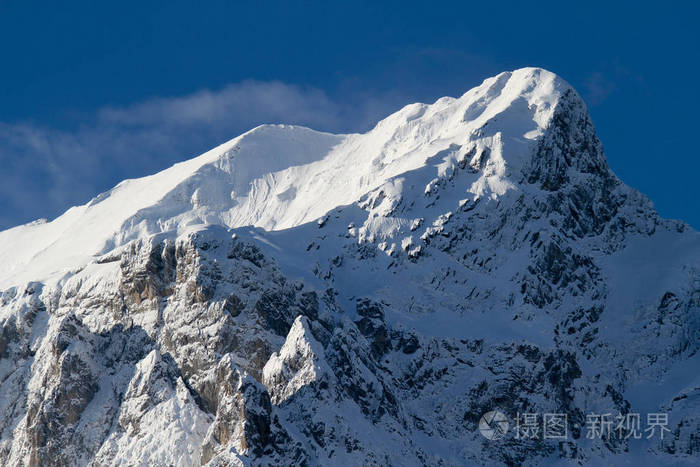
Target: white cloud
236,103
598,87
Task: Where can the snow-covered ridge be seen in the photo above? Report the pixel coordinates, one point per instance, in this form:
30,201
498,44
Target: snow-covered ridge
281,176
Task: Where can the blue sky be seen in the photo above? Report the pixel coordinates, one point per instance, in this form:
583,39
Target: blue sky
95,92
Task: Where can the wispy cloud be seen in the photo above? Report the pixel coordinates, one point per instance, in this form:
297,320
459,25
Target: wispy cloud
598,87
43,171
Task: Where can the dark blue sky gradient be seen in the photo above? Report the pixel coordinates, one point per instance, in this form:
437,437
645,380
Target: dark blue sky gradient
636,65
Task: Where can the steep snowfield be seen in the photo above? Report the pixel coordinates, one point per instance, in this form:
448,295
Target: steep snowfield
280,176
295,297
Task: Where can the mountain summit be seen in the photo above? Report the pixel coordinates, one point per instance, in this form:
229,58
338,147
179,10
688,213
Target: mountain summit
282,176
297,297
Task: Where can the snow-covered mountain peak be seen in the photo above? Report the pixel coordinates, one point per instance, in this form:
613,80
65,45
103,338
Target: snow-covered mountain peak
296,297
281,176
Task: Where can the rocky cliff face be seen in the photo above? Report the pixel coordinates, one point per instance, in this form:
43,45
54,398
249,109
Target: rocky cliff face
478,255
